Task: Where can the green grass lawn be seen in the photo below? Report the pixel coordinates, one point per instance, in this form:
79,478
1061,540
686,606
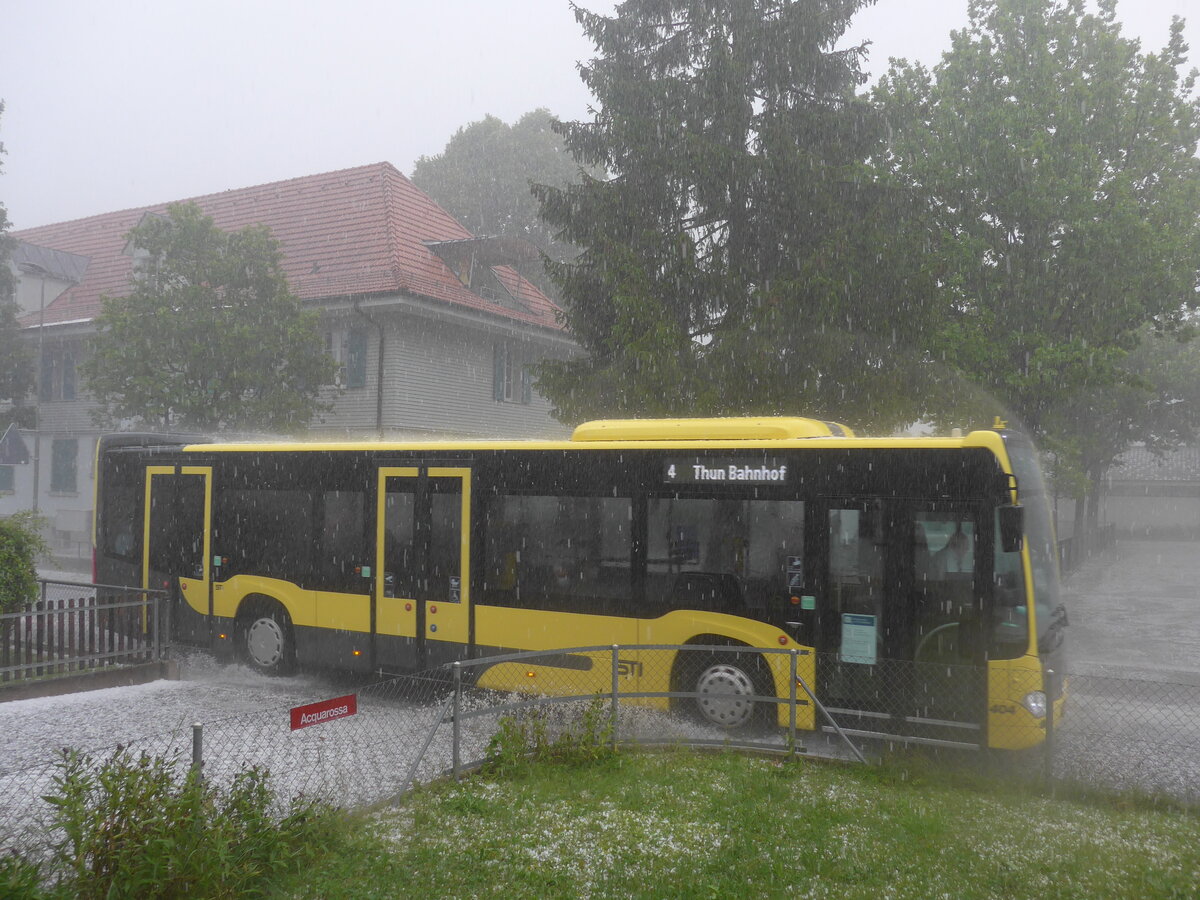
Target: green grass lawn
681,824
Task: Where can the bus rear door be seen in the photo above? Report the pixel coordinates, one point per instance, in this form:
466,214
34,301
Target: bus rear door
423,553
176,548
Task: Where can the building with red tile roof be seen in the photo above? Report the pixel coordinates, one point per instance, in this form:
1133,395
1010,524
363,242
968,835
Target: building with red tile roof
367,231
434,328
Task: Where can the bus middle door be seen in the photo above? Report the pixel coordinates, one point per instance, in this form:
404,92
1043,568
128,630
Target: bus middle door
422,578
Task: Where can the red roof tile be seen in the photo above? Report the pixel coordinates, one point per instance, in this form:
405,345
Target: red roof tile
355,231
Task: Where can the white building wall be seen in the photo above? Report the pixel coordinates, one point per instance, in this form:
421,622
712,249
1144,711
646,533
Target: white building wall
67,510
439,380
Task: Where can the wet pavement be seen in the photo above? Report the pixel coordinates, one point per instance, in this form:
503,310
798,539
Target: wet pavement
1135,612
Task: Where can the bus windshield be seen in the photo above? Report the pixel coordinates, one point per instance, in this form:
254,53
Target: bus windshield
1039,534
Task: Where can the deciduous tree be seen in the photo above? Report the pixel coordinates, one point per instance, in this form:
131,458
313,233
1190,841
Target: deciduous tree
16,357
1060,163
209,337
483,179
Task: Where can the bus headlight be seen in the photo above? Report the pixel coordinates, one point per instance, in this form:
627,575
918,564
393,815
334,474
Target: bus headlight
1035,702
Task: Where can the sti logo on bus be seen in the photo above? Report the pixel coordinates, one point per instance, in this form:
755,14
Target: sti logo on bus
727,471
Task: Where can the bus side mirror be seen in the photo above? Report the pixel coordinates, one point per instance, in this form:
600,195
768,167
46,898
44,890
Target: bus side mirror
1012,528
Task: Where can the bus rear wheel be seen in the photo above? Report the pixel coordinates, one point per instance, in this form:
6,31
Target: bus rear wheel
267,639
724,685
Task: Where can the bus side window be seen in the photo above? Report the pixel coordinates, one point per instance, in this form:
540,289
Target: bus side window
341,541
570,554
729,554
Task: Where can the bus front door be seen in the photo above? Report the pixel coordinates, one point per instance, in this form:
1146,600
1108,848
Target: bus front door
422,577
175,549
898,613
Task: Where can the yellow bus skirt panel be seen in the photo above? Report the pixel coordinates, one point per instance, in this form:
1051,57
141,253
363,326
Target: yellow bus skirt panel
511,628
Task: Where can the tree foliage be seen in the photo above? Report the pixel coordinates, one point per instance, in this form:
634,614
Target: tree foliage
16,358
1155,402
20,546
210,337
738,254
1060,164
483,179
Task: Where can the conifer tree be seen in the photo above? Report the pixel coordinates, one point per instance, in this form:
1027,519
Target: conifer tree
739,256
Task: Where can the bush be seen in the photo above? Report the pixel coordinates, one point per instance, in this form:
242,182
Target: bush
20,877
20,545
133,827
520,739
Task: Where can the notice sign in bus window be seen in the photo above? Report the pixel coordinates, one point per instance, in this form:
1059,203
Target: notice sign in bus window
324,711
724,471
858,639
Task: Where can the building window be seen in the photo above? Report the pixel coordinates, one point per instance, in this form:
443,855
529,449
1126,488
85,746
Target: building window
349,350
512,381
63,454
58,373
7,479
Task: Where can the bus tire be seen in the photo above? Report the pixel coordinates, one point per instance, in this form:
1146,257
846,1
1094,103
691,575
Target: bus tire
724,682
266,637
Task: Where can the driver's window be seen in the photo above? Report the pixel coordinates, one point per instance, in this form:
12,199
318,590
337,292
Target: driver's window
1010,625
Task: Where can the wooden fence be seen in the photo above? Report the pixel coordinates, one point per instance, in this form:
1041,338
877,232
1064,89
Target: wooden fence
76,627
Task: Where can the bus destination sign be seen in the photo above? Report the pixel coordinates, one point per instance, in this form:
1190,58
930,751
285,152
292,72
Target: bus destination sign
707,470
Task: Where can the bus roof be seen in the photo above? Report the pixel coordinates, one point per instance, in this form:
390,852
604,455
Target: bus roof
718,434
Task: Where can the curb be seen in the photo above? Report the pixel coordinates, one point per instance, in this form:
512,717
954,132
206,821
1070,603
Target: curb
122,676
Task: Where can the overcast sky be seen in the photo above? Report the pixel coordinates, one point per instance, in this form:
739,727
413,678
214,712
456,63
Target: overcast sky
113,104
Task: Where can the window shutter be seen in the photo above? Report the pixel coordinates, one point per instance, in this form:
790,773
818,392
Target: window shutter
62,465
68,374
46,388
498,373
526,385
356,359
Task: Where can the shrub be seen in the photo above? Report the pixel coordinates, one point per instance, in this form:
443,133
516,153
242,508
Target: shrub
133,827
519,739
20,545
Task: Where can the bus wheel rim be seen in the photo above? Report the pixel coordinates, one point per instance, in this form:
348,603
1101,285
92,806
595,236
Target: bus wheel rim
264,641
725,693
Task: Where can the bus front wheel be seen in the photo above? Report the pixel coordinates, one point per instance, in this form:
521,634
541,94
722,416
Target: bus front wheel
267,639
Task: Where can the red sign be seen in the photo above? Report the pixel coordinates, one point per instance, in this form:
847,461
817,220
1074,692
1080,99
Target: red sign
324,711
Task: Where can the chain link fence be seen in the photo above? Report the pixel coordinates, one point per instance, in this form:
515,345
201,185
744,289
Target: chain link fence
1114,734
1125,735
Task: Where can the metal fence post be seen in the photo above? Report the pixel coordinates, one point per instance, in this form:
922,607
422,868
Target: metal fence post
615,691
792,705
457,669
1048,684
197,746
157,601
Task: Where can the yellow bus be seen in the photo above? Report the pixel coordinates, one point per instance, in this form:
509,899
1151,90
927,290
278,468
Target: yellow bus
915,577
